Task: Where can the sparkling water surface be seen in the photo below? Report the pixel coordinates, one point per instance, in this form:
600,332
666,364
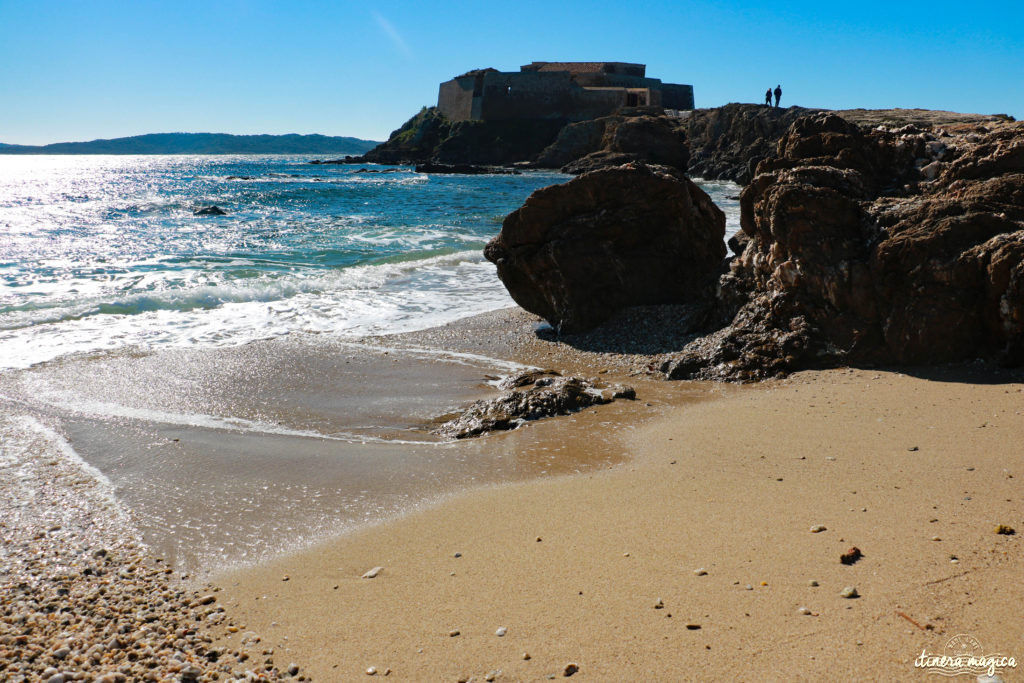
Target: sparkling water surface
104,252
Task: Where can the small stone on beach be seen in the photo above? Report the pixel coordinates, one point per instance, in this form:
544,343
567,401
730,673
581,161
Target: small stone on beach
501,632
818,528
804,610
453,633
373,573
850,592
850,556
812,583
570,669
371,671
701,572
659,604
1005,530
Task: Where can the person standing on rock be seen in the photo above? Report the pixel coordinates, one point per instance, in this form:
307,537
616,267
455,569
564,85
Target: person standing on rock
778,95
768,97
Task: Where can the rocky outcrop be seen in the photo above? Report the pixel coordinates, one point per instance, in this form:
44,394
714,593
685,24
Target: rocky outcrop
632,235
430,137
414,142
463,169
882,246
727,143
615,140
532,395
212,210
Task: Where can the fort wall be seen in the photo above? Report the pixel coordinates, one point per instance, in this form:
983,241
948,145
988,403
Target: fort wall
572,91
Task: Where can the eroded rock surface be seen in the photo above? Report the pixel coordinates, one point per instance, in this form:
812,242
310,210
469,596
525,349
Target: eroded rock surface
632,235
615,140
729,142
882,246
532,395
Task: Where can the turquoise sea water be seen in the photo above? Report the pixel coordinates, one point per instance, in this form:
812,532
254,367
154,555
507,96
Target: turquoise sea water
104,252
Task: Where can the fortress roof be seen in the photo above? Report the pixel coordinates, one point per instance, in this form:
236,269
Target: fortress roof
587,67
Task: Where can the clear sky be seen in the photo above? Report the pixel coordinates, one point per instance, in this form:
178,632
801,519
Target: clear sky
81,69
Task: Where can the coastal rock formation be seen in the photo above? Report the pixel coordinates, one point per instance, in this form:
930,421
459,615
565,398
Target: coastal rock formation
625,236
213,210
616,140
532,395
431,137
881,246
463,169
727,143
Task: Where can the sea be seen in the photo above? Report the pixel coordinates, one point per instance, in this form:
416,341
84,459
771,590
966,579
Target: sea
104,252
212,372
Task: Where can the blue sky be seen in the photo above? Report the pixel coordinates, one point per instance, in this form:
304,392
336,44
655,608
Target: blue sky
79,70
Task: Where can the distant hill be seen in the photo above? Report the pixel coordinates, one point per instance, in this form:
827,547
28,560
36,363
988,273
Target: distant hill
202,143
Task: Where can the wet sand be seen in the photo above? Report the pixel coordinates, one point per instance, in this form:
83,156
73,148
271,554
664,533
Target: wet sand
233,455
600,569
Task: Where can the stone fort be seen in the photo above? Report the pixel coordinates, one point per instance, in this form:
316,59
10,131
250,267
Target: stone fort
575,91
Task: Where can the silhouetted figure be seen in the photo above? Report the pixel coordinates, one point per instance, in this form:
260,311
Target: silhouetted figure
778,95
768,97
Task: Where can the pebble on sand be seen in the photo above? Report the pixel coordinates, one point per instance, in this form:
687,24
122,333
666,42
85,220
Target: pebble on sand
818,528
501,632
570,669
659,604
373,573
371,671
701,572
804,610
850,592
453,633
851,555
1005,530
812,583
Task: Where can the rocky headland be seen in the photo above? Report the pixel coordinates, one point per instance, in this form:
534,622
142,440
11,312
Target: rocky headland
717,143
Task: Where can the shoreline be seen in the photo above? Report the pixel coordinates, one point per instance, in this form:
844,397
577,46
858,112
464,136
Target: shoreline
786,455
722,477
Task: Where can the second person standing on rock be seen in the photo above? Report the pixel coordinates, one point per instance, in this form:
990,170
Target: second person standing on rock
778,95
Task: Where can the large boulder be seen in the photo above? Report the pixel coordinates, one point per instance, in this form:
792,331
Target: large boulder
632,235
882,246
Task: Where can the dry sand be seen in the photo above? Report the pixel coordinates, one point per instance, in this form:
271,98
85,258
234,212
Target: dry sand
913,470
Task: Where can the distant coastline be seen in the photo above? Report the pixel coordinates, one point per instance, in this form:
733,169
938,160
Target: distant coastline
202,143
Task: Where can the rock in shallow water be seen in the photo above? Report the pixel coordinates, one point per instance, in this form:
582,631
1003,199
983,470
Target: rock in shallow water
532,395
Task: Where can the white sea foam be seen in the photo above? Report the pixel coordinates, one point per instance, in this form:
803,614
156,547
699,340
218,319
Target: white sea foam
377,299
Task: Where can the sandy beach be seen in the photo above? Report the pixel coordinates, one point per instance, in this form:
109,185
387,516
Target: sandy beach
710,552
